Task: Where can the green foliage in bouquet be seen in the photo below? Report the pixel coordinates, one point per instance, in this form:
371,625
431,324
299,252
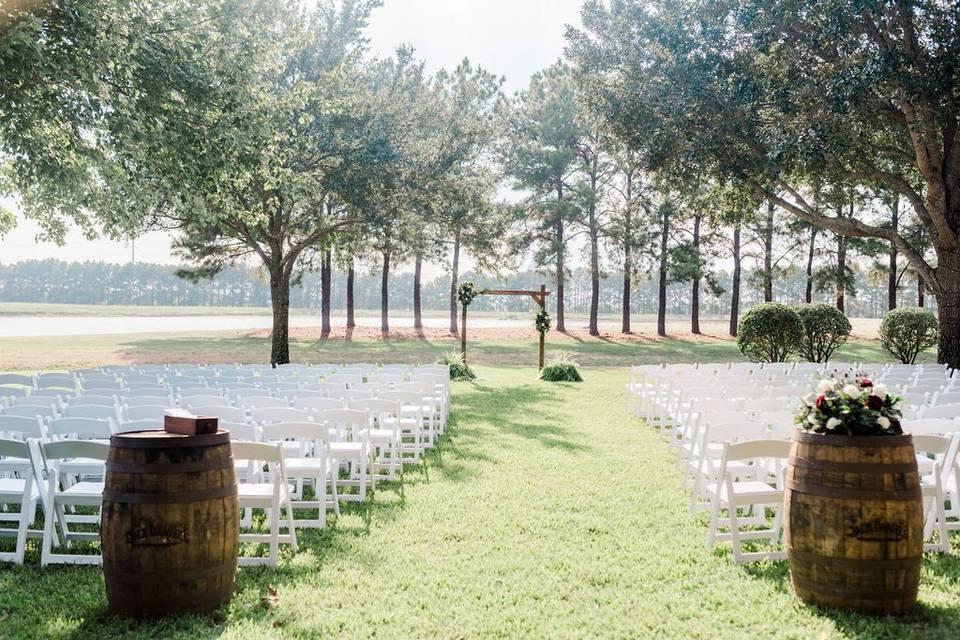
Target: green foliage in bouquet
561,369
851,406
906,332
466,292
458,368
769,332
542,321
825,329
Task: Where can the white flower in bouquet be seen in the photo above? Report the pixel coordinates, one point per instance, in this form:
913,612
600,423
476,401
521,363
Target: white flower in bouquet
851,391
884,422
833,423
812,419
825,386
880,390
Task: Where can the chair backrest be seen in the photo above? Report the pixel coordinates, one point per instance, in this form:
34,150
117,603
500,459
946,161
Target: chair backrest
97,386
56,381
759,448
62,449
734,431
136,389
82,428
147,401
352,393
17,379
145,412
140,425
23,426
406,397
18,449
262,402
932,444
12,392
93,401
344,418
241,431
222,412
259,451
205,400
131,379
949,411
931,426
319,404
302,432
379,410
348,379
90,411
278,414
30,410
945,397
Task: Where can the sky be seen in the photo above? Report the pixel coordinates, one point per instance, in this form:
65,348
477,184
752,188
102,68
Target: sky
512,38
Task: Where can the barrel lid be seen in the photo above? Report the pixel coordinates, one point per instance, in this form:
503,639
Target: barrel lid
159,439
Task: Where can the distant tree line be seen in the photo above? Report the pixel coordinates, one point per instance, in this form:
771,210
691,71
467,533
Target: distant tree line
58,282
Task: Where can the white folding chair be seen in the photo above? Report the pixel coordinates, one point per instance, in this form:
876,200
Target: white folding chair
943,450
350,445
21,490
311,463
272,495
733,492
60,495
384,436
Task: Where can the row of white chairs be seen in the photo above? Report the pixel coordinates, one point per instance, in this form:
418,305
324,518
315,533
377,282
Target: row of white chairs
731,435
334,444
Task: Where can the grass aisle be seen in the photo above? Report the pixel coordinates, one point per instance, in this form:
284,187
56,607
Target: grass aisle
549,513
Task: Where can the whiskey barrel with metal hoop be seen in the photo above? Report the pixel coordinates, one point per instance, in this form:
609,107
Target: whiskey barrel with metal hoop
169,527
854,522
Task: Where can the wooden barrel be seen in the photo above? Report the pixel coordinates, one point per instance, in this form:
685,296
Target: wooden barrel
169,528
854,522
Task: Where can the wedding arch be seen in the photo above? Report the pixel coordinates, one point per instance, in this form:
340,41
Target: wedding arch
466,293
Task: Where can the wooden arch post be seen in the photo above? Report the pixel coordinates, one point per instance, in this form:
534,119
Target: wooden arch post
540,297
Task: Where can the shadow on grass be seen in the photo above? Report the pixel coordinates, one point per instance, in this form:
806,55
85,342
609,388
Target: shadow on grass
61,596
926,618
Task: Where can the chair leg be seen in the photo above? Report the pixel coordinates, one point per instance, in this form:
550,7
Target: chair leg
292,528
26,513
47,543
274,535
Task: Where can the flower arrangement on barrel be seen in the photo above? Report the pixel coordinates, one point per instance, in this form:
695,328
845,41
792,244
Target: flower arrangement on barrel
851,406
853,507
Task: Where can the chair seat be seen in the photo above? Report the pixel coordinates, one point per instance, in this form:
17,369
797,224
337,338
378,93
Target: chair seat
11,489
381,435
258,494
83,490
749,490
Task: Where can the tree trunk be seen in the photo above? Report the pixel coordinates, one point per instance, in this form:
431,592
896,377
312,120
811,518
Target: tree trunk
662,286
417,313
326,267
808,293
921,297
735,289
695,292
594,285
948,307
627,254
561,263
841,272
892,265
768,255
351,322
280,301
385,294
454,283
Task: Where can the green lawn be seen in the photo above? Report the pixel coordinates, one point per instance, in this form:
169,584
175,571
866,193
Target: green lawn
547,512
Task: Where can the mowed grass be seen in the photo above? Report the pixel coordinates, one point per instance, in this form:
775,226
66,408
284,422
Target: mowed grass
547,512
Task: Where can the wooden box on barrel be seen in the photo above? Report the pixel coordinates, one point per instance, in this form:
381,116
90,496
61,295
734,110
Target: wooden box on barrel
170,527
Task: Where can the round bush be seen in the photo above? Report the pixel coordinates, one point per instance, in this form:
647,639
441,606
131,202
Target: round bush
825,329
906,332
769,332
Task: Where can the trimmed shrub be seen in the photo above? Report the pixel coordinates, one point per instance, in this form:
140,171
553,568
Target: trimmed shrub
561,369
906,332
769,332
825,329
458,368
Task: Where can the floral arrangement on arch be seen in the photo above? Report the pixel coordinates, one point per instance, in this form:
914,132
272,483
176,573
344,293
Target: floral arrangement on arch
466,292
851,406
542,321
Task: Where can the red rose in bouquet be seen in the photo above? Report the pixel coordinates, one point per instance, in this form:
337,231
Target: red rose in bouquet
821,401
865,383
874,403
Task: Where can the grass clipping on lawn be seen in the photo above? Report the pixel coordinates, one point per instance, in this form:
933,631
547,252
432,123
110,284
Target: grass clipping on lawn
563,368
